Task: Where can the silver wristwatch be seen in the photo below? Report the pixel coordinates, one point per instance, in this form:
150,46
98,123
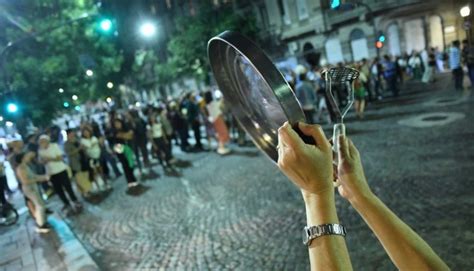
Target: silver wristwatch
312,232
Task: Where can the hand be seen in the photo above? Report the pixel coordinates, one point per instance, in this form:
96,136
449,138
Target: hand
308,166
351,182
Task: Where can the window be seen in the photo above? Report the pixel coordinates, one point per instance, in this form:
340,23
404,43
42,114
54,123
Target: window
286,12
302,7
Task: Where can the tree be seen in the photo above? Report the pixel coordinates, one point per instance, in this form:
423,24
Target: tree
36,68
188,46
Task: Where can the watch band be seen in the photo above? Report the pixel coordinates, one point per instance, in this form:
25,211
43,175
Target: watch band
312,232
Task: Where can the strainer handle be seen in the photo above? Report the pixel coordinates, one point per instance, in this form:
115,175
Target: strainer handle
339,129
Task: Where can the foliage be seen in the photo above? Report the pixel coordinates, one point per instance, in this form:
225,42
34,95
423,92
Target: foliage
188,46
37,67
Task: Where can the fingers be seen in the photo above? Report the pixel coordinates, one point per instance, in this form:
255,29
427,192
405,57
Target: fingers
316,132
343,151
288,137
352,149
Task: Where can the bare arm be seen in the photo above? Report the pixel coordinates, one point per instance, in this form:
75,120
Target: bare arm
407,250
27,180
310,168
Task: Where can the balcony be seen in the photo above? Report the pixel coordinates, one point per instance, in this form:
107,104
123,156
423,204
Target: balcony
336,17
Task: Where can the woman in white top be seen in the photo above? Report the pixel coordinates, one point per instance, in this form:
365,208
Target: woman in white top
91,146
51,155
216,118
157,137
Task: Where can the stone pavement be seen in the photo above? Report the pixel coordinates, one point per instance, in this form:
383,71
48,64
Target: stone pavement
239,212
24,249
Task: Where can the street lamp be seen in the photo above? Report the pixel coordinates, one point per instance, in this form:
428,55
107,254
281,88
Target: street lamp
465,11
148,29
61,90
108,100
89,72
74,97
110,85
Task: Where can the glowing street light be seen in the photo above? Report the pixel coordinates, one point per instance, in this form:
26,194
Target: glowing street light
106,25
61,90
89,73
9,124
12,108
77,108
148,29
66,104
1,118
108,100
74,97
110,85
465,11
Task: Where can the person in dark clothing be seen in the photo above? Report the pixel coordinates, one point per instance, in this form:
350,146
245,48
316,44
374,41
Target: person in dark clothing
122,136
390,75
107,157
180,125
193,119
139,138
468,59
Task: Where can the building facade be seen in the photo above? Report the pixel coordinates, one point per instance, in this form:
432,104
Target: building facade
311,30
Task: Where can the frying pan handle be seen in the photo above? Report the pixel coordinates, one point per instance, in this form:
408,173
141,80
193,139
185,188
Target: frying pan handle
306,139
339,129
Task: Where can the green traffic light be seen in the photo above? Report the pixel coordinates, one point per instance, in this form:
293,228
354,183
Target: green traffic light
335,4
12,108
106,25
382,38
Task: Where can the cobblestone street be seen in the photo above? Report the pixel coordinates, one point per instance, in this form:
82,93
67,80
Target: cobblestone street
240,212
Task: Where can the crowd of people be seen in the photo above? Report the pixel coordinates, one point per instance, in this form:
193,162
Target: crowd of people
126,141
123,142
379,78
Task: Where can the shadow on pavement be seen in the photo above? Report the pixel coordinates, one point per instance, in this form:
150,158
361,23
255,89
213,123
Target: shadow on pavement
151,175
183,163
96,199
172,172
244,153
137,190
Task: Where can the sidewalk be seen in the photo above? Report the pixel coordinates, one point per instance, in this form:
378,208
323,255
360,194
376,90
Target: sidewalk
24,249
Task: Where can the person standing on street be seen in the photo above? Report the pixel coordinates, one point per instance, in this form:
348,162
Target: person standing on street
360,93
468,59
51,155
122,135
390,75
29,181
91,146
306,96
217,119
78,162
159,140
376,75
455,65
193,119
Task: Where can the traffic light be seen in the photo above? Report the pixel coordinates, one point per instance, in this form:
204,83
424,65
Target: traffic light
12,107
335,4
105,25
380,41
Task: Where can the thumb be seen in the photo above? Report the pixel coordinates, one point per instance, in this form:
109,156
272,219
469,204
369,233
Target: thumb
316,132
